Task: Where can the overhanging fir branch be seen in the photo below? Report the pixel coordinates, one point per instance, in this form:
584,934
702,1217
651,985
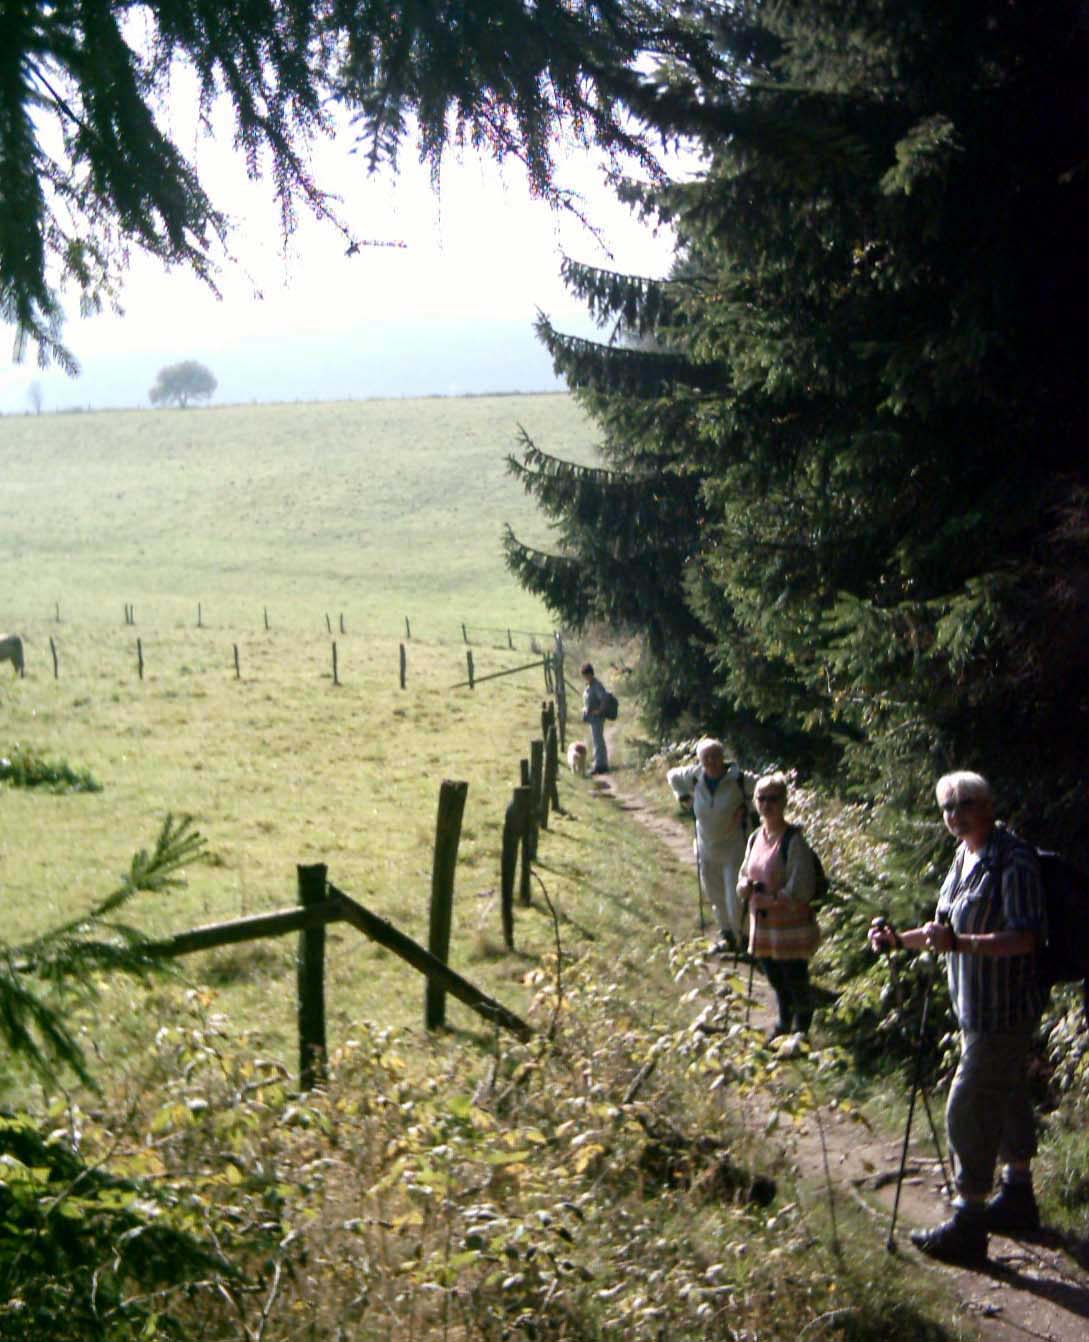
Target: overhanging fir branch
589,365
559,581
639,305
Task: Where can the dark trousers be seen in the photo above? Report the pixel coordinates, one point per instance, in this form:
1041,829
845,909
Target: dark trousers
790,982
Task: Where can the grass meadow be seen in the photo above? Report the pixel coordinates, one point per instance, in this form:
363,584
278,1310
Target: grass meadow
591,1183
374,512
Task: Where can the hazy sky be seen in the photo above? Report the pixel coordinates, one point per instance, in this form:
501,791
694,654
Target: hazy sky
450,312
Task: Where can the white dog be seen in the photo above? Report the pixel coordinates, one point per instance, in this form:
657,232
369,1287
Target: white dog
576,758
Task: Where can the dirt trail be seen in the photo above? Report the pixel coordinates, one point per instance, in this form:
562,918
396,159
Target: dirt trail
1030,1289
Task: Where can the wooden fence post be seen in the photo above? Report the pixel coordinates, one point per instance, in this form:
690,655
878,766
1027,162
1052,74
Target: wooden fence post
404,666
200,617
328,624
140,658
336,678
57,610
237,670
443,869
546,667
510,641
525,818
469,664
266,619
508,868
53,650
464,634
342,629
550,792
310,966
408,630
536,777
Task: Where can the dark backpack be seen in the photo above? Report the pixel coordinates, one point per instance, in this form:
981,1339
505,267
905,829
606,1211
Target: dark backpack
822,885
1064,957
612,706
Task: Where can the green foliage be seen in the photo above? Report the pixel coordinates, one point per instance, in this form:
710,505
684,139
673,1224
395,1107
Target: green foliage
86,1254
857,395
88,168
595,1182
41,978
24,767
180,383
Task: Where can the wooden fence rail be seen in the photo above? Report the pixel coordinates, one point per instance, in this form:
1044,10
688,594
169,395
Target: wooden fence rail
321,903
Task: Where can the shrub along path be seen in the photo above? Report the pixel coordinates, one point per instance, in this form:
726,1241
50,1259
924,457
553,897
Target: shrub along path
1030,1289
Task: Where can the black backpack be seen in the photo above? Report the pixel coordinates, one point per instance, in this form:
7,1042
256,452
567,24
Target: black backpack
612,706
1064,956
821,888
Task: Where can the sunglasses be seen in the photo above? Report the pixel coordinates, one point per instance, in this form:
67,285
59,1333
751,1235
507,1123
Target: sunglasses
965,804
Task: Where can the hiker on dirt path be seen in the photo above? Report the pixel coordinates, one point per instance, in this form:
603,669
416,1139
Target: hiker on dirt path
989,922
778,879
719,795
593,712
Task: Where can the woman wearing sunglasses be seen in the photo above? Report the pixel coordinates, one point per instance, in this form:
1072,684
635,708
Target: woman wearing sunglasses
778,878
989,922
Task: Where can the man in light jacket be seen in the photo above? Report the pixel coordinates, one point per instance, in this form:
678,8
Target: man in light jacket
720,796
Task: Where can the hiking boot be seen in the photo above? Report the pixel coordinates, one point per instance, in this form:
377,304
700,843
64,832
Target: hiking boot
1012,1210
961,1240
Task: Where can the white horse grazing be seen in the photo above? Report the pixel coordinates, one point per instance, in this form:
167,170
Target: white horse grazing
11,650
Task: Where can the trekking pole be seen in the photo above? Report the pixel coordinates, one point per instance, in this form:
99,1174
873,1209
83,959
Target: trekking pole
752,968
890,1243
898,993
699,877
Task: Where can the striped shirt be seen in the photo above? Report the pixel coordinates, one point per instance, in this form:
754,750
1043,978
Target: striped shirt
994,992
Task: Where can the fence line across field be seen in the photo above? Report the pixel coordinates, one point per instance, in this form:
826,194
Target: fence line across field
465,627
550,664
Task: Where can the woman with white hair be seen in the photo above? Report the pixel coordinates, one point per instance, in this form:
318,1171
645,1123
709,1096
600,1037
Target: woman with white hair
989,922
719,795
779,879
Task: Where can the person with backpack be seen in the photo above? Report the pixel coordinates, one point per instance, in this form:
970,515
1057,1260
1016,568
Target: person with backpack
991,925
719,795
595,703
778,878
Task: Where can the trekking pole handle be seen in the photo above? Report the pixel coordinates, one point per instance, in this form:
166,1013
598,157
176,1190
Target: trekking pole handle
882,924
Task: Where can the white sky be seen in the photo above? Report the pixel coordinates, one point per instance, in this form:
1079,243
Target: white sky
481,252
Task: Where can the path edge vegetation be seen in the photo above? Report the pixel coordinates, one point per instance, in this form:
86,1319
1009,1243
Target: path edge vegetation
606,1175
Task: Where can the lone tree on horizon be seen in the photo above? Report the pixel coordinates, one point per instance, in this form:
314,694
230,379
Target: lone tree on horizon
180,383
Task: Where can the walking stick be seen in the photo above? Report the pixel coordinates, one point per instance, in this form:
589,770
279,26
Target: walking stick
752,968
890,1243
699,877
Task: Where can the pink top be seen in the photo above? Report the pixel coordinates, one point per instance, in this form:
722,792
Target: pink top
764,864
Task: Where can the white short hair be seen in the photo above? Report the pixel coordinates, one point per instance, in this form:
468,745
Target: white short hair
707,744
963,785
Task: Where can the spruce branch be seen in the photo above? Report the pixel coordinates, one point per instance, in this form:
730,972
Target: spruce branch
75,955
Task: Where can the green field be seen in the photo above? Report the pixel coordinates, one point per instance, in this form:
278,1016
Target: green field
373,511
378,509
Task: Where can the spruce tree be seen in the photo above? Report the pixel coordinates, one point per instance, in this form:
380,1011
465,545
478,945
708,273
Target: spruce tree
864,371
